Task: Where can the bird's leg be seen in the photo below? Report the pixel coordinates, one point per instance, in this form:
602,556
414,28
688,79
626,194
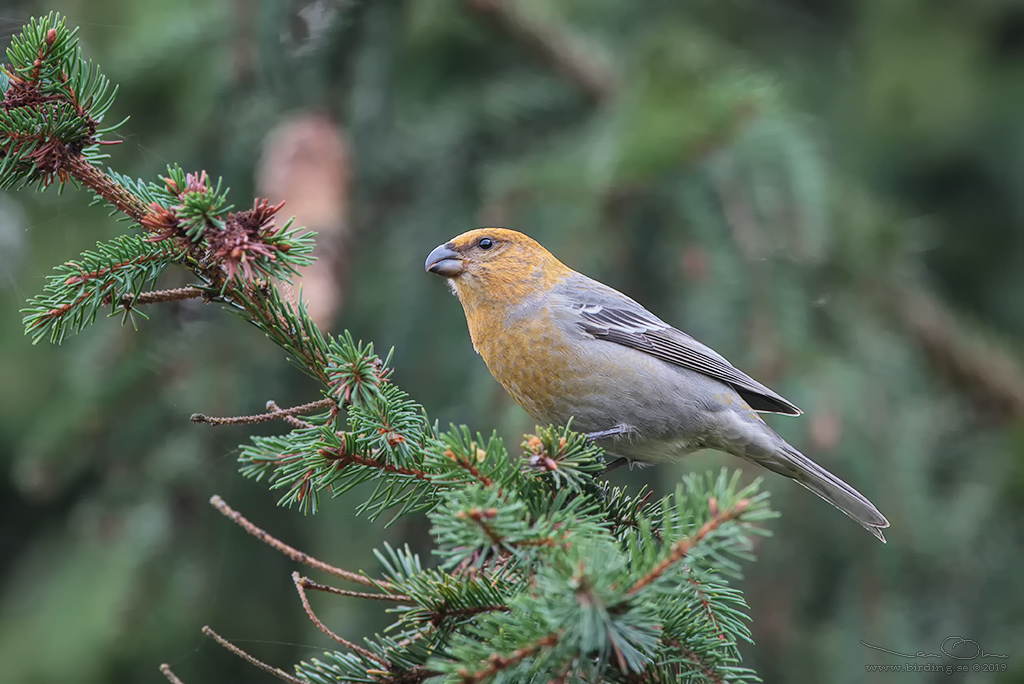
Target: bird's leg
617,431
617,463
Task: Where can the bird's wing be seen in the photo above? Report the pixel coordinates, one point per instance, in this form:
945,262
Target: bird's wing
635,327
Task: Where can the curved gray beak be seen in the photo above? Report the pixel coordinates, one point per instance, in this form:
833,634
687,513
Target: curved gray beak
444,261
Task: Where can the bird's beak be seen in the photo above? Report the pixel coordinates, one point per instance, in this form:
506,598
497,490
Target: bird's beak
444,261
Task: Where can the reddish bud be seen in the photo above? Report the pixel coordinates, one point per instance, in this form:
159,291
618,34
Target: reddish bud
51,37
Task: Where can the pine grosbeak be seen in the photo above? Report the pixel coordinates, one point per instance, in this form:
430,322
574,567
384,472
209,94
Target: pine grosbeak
566,346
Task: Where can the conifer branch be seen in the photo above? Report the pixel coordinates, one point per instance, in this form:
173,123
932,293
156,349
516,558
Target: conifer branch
290,418
439,616
252,660
290,551
276,414
683,546
160,296
468,466
705,668
327,589
497,662
112,192
169,673
300,587
480,517
116,267
705,603
342,458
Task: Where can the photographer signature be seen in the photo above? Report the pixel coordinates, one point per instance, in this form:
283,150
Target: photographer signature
950,642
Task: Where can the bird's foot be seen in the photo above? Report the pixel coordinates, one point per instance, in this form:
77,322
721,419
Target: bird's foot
617,463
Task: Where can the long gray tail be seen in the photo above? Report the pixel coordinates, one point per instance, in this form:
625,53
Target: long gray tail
746,435
791,463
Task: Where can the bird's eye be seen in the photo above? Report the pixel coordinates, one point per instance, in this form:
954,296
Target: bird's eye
485,243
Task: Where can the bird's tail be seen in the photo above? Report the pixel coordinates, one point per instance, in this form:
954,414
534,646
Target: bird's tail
787,461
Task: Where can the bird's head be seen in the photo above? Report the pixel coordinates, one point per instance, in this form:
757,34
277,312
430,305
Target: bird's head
495,263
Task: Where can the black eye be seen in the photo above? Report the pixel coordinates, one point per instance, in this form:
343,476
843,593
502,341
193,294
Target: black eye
485,243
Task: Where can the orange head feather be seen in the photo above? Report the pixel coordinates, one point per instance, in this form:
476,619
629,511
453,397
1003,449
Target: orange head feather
496,267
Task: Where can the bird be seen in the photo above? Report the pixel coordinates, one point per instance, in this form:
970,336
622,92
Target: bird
567,347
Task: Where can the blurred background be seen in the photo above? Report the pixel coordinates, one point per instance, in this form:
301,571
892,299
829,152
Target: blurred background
830,193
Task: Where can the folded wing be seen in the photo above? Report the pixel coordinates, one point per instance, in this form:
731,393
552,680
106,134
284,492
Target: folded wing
641,330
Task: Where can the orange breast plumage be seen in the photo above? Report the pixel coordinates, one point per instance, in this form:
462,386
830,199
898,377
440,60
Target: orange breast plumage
529,356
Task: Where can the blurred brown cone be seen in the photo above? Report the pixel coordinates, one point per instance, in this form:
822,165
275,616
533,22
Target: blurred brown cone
306,162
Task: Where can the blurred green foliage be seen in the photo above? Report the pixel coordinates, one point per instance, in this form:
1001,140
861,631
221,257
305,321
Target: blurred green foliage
777,178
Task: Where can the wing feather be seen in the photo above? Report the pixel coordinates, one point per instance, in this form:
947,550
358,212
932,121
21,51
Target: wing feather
645,332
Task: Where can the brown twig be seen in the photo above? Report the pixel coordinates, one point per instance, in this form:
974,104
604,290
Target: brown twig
300,587
698,588
706,669
171,677
343,457
291,552
683,546
159,296
106,187
499,663
439,616
252,660
328,589
468,467
65,308
290,419
263,417
553,44
480,517
633,522
163,254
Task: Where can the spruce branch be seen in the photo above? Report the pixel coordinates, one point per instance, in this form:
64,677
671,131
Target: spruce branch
79,289
468,464
169,673
108,188
705,669
252,660
705,602
300,586
161,296
290,551
497,663
275,414
287,417
342,458
327,589
684,546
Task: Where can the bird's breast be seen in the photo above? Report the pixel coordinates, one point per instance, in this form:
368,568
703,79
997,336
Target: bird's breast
531,358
